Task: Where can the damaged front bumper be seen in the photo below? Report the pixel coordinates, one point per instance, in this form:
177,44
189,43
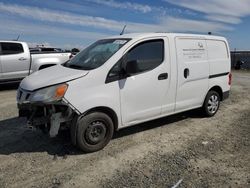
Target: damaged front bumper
48,117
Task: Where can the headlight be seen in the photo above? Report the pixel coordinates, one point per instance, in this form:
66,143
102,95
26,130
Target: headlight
49,94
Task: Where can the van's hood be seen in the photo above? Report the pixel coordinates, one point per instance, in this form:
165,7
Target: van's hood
51,76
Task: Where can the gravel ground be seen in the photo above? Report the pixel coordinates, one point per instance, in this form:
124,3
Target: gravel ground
184,148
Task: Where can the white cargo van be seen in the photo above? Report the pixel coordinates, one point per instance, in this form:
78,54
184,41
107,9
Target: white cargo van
125,80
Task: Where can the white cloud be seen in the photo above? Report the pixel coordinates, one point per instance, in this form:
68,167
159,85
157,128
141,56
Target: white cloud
165,24
14,27
124,5
179,24
224,18
60,17
144,8
236,8
171,24
228,11
27,30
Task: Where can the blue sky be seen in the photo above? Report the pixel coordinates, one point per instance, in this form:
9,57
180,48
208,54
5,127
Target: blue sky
77,23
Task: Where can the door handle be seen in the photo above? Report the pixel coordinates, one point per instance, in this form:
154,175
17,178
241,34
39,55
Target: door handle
22,59
186,73
163,76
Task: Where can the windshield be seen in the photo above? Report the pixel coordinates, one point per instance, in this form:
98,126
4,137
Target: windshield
96,54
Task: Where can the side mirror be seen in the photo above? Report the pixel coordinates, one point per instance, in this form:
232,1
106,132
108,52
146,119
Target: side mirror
130,67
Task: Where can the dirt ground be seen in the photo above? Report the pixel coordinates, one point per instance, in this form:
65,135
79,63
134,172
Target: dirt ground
184,148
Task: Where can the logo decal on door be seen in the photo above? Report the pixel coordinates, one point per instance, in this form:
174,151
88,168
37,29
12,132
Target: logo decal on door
200,44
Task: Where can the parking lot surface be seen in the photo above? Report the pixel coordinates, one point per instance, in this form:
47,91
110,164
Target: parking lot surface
185,148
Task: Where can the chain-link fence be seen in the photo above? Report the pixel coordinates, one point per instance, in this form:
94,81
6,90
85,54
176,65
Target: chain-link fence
240,59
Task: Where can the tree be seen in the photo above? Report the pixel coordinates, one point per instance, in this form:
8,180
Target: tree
75,50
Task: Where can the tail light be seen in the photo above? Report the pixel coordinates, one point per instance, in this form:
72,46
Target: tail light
230,78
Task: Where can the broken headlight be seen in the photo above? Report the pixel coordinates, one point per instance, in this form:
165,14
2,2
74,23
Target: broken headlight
49,94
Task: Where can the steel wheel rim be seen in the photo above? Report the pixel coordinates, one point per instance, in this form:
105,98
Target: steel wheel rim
95,132
213,104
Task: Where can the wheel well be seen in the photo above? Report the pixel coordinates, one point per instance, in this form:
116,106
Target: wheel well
107,111
45,66
218,90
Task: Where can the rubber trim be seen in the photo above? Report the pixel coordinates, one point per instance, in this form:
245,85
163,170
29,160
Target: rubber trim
218,75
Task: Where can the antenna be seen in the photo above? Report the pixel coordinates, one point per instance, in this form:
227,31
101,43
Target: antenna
17,38
123,30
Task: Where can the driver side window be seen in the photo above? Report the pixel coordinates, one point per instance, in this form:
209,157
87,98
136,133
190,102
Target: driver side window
146,55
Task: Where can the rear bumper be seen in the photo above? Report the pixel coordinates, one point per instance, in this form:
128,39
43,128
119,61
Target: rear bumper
225,95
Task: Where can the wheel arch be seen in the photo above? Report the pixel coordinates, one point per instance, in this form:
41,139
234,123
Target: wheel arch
218,89
110,112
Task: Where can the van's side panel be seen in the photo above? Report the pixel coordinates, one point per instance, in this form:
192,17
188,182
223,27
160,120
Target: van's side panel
218,56
168,104
219,61
193,72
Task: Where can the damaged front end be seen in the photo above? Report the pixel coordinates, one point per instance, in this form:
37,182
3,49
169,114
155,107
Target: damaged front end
46,109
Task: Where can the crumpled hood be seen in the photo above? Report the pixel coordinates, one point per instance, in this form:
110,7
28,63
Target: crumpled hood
51,76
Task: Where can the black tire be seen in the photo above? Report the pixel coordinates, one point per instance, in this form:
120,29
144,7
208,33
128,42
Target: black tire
211,104
94,131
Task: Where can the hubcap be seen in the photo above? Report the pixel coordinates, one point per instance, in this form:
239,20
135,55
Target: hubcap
95,132
213,104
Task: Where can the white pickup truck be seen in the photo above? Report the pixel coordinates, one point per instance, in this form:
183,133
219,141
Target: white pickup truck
17,62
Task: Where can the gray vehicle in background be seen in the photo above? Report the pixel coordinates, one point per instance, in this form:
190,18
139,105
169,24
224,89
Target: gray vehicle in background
17,62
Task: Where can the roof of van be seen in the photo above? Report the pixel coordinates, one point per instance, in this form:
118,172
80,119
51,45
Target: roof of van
148,35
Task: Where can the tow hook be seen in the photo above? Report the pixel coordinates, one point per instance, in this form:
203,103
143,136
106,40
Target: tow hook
29,126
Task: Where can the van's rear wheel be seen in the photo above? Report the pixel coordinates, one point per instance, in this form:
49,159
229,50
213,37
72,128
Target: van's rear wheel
211,103
94,131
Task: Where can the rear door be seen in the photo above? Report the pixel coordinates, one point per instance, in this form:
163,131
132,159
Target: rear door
15,60
193,72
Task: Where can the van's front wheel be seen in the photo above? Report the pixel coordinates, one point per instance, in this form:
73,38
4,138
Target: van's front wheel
211,103
94,131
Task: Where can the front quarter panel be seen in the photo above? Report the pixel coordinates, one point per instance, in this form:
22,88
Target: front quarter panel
91,92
